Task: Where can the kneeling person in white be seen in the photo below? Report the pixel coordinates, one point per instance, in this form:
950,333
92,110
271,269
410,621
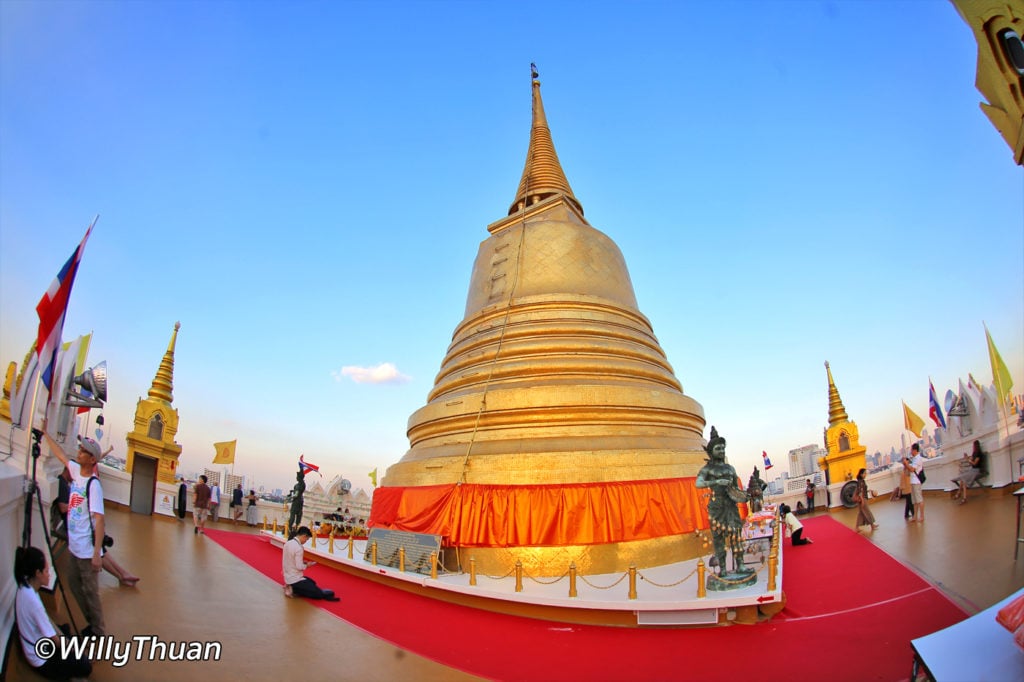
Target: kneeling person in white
292,566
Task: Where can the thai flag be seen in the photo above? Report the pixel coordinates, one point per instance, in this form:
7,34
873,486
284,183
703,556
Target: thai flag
934,411
767,462
306,468
52,308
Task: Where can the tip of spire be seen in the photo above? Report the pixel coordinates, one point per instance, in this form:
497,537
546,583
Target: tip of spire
543,175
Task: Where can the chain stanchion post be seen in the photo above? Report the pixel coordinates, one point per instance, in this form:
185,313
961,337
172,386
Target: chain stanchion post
373,553
572,581
264,521
519,575
702,588
433,565
632,582
330,541
401,559
275,525
472,571
350,543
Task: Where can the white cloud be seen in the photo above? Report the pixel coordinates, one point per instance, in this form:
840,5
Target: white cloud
384,373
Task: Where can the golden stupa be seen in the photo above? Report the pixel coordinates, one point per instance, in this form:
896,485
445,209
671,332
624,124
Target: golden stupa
556,431
844,456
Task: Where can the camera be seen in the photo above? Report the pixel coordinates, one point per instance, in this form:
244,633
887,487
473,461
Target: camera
107,540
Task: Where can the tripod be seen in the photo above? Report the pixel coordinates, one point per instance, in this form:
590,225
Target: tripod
32,491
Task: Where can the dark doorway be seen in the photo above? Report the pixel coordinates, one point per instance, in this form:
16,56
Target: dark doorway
143,484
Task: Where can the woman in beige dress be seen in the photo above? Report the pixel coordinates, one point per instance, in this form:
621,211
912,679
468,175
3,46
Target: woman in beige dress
864,515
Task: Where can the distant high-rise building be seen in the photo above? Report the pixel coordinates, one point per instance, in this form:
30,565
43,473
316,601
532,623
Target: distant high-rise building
804,461
231,481
212,477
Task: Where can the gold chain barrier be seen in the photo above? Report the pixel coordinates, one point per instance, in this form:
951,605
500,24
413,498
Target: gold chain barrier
572,572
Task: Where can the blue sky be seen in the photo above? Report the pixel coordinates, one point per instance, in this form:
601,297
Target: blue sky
304,186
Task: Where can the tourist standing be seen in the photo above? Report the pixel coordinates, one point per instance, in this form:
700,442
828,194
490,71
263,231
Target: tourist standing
122,574
236,504
906,494
809,494
292,566
200,505
914,464
86,528
250,511
861,496
214,502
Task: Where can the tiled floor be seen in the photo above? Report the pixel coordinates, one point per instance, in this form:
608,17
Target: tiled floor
194,590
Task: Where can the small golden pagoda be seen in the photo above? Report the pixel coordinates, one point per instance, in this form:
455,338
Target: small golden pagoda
156,421
556,431
845,455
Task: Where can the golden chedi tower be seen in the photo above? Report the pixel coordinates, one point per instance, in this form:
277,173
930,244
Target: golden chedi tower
556,430
156,421
845,455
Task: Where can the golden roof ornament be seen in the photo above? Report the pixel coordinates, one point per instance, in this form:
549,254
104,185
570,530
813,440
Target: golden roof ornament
163,382
836,410
543,175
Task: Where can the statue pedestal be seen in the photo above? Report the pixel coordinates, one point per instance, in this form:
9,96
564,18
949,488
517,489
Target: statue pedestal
733,580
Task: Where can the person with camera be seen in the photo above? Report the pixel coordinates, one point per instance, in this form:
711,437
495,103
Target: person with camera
85,528
59,525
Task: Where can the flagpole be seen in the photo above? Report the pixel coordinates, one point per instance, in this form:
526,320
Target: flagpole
31,418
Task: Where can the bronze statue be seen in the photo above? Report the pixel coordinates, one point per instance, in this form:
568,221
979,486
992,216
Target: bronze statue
724,516
295,515
755,490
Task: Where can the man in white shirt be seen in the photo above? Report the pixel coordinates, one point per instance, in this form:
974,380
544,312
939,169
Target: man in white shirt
292,566
85,529
214,501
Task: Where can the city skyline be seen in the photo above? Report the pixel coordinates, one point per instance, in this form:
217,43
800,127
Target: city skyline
304,186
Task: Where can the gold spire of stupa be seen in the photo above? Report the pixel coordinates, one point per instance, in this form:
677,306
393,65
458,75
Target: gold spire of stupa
836,411
163,382
543,175
556,429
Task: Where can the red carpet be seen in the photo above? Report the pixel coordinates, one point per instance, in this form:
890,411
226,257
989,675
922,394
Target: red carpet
851,613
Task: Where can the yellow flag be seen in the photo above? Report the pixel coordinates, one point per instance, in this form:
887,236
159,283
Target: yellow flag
1000,375
225,452
911,421
373,477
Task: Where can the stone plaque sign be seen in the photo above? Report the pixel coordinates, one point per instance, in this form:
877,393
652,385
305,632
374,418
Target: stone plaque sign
418,548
